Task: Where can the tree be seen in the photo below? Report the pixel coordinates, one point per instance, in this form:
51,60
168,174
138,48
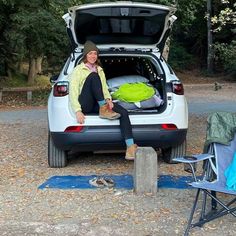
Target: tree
36,32
189,35
6,54
209,39
33,30
224,29
226,16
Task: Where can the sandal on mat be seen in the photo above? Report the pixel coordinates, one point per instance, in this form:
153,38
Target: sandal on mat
108,182
101,182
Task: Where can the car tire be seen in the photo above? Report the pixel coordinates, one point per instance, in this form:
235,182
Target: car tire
57,158
169,154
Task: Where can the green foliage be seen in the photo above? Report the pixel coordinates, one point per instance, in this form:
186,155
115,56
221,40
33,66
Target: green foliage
179,58
226,56
224,14
36,28
20,80
188,13
31,29
42,81
17,80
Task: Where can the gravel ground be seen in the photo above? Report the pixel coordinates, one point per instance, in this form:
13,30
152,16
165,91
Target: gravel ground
25,210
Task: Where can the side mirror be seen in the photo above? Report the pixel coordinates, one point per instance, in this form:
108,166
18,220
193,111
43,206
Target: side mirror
53,78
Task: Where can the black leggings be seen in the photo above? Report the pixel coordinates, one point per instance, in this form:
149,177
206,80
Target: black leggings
92,93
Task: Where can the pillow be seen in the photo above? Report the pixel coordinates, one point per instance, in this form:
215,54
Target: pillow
118,81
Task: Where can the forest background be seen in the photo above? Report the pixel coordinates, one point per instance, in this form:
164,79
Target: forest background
34,43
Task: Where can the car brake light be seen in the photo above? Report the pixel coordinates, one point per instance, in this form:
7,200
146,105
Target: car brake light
74,128
169,126
61,89
178,88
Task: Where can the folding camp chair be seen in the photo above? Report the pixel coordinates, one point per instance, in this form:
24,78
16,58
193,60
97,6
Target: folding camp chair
212,182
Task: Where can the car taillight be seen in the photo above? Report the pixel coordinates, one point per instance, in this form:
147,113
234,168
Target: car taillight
61,89
74,129
169,126
178,88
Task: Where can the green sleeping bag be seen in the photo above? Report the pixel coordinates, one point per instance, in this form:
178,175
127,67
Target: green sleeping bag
134,92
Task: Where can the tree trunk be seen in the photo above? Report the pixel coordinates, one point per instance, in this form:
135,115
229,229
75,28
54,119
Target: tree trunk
20,67
32,71
9,73
209,40
38,65
8,69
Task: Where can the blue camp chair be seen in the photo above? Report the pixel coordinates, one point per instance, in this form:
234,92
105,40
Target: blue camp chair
218,158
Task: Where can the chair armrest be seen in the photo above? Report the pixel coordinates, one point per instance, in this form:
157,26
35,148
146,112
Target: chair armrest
199,157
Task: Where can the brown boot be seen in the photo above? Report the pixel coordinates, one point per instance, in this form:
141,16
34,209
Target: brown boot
106,113
131,152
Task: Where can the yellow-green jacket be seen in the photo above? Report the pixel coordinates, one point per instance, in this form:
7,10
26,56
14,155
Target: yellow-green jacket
77,79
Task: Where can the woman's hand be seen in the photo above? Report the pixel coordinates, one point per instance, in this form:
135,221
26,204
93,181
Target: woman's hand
110,103
80,117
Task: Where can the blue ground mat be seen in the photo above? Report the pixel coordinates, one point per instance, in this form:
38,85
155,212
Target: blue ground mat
121,182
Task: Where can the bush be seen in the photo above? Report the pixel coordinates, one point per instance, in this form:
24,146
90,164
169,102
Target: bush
225,55
42,81
20,80
17,80
179,58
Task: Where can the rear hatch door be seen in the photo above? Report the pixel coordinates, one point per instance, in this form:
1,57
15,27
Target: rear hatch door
120,24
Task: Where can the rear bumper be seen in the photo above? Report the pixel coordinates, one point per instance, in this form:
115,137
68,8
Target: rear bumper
104,138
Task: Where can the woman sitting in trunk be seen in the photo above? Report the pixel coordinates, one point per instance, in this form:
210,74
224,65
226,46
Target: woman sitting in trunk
88,93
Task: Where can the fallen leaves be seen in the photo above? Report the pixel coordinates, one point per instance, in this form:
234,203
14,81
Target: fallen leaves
21,172
24,167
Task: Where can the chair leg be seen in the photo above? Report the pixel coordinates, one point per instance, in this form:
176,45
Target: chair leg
213,201
213,208
203,215
192,214
214,214
221,203
203,211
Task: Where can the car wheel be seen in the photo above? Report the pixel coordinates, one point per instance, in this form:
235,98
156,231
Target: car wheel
57,158
170,153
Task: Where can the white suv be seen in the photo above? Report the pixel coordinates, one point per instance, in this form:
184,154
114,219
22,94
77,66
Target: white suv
130,37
